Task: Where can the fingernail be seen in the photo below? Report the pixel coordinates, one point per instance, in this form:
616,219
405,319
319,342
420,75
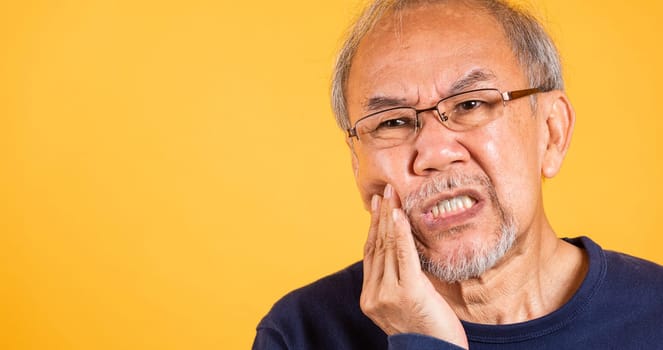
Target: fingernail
388,190
374,202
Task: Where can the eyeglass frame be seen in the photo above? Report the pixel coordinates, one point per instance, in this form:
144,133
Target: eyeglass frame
506,96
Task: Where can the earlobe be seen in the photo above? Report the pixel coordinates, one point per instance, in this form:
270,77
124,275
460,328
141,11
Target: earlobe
560,120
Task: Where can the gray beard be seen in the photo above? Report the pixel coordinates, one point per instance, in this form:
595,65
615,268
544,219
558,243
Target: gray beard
470,262
465,262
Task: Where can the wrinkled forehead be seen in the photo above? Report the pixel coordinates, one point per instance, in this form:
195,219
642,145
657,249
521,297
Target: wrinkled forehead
422,53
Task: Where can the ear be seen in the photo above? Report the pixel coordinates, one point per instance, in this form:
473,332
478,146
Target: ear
560,120
355,160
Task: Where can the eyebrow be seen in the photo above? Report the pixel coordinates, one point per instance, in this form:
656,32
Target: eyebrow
382,102
470,80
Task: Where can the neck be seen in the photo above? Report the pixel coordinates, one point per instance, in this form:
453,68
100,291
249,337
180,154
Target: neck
536,277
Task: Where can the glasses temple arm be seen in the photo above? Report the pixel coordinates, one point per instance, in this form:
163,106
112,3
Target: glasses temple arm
512,95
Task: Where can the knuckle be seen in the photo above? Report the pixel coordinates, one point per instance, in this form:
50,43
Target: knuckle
390,240
369,248
379,244
401,253
387,297
367,305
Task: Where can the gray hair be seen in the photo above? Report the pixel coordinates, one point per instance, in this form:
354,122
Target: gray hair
532,46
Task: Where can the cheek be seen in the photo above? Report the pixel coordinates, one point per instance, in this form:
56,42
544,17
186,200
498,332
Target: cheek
512,163
377,169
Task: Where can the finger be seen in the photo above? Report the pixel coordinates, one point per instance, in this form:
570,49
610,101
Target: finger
369,246
377,268
390,233
407,257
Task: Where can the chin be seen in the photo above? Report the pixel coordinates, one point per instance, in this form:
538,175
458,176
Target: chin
463,253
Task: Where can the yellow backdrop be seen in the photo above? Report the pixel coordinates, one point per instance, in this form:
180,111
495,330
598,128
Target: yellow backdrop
171,168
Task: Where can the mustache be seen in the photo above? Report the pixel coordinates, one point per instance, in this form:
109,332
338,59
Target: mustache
446,183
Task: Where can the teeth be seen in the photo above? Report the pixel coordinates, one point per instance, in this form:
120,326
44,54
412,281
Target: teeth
455,204
436,211
467,201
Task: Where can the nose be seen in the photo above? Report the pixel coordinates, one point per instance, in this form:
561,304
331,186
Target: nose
437,148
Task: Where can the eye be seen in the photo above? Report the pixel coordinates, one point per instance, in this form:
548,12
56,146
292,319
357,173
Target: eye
396,123
393,123
467,106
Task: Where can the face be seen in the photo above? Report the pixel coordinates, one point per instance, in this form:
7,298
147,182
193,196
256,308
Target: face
465,192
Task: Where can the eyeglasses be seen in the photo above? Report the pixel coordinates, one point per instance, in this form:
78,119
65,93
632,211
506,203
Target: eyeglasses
459,112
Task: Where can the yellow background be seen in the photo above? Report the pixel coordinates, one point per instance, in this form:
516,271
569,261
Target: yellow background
169,169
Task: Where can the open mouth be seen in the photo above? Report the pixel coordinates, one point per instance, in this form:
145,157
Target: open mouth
452,206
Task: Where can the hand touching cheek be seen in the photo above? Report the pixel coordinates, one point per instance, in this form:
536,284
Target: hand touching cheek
396,294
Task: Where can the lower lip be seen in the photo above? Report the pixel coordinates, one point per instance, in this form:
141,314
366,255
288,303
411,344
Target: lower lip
448,222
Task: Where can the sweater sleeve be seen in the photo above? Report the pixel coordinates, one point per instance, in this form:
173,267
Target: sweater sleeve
410,341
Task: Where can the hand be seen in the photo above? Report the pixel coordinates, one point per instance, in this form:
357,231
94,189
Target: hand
396,294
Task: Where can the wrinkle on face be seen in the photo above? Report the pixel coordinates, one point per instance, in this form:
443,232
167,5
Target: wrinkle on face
425,64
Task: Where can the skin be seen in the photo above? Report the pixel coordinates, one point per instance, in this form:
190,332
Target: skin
418,63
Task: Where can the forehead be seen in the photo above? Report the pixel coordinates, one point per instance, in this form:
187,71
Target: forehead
419,54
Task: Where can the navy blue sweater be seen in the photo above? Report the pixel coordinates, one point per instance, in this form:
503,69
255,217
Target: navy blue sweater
618,306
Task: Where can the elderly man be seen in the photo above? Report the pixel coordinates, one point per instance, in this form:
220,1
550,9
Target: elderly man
454,112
